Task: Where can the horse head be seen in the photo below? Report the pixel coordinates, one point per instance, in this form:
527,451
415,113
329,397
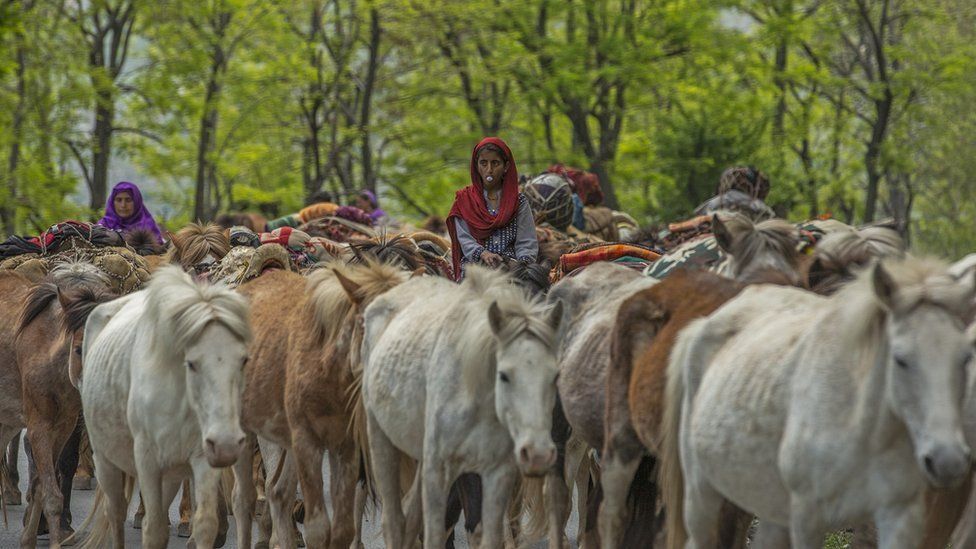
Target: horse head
757,247
928,354
204,329
525,380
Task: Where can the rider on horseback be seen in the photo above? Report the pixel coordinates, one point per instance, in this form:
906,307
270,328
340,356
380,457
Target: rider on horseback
490,219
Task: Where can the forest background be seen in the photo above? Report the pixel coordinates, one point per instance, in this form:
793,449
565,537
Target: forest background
860,109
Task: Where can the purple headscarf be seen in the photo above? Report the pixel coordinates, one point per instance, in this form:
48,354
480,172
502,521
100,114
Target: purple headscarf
141,219
377,214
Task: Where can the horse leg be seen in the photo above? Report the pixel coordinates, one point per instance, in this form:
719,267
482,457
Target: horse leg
770,536
436,480
280,491
359,511
244,493
112,483
140,513
206,491
46,440
703,509
67,465
85,474
308,460
11,476
344,467
898,527
498,486
619,467
385,460
185,528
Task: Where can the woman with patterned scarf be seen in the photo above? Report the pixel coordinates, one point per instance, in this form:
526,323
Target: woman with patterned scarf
490,219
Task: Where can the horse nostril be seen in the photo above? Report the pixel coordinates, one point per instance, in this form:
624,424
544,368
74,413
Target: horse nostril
211,446
524,454
929,465
240,442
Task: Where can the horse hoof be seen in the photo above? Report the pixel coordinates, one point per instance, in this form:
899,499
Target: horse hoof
67,536
184,530
137,522
299,539
83,482
260,508
221,540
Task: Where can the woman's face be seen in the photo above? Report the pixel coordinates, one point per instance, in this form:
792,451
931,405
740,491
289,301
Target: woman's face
124,206
491,164
363,204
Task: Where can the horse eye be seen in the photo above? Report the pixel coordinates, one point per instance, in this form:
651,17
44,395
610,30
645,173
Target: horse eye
900,362
503,376
191,366
78,351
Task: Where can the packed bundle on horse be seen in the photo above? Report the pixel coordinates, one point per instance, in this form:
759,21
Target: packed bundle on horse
338,228
551,199
630,255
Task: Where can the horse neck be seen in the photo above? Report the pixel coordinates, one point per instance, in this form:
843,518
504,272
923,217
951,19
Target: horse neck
873,419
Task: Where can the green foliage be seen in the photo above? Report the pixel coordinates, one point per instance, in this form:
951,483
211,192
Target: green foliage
392,94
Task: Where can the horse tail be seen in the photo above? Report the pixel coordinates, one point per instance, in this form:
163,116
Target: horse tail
670,475
227,487
98,523
534,507
357,428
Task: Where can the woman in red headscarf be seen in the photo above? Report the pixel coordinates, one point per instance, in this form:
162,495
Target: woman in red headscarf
490,219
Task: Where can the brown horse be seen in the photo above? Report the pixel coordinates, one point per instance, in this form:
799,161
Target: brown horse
646,328
298,385
52,315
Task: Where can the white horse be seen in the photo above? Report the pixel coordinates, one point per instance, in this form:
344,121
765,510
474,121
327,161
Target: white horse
821,413
161,392
460,378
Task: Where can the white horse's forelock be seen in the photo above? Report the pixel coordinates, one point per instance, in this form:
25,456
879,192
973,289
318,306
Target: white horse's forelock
521,313
182,309
917,281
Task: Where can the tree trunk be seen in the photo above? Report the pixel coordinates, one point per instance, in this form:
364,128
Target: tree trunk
872,155
375,34
208,138
102,150
9,211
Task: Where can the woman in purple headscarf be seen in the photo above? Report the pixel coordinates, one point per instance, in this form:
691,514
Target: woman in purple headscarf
367,202
125,211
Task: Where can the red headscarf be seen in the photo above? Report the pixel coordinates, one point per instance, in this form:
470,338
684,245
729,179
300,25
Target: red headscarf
469,203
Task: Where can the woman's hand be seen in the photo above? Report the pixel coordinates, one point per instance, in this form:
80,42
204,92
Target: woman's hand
491,259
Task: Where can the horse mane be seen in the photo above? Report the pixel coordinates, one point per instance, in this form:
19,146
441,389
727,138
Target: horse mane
182,308
77,305
328,301
839,253
917,281
533,277
195,241
68,275
750,240
521,315
144,242
399,251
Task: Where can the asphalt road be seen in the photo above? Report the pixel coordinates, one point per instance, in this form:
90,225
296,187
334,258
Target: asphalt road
81,505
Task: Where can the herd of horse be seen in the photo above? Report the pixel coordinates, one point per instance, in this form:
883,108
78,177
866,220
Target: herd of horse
770,400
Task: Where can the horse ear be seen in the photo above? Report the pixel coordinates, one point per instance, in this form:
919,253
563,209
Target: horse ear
351,288
495,317
884,286
556,315
419,271
61,298
722,234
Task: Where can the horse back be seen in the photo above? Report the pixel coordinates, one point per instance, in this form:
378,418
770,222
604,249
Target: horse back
648,326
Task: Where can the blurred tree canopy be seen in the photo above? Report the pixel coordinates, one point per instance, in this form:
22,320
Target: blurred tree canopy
860,109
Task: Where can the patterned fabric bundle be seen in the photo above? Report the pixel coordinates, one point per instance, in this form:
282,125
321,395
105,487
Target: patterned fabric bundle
630,255
337,229
242,236
287,237
599,222
315,211
551,199
60,237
